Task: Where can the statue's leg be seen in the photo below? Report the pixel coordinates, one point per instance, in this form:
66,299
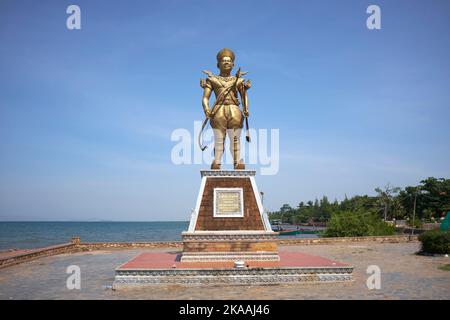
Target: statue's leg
235,124
219,142
235,147
218,123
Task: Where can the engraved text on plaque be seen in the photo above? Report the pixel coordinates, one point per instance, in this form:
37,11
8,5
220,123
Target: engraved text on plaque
228,202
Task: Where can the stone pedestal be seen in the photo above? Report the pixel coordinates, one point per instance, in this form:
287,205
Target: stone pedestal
229,222
229,242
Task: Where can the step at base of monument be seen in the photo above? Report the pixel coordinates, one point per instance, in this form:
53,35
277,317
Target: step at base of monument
229,256
166,268
267,276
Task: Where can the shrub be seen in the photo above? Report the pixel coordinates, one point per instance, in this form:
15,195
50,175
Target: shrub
357,224
435,241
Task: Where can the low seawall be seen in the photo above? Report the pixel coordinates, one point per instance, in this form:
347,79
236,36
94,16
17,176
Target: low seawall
10,258
76,245
337,240
129,245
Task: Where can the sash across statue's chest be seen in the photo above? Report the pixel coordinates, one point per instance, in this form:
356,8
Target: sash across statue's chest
226,85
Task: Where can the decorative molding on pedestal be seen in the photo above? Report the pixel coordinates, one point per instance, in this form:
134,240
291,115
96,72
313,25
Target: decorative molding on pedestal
229,256
236,276
227,173
229,236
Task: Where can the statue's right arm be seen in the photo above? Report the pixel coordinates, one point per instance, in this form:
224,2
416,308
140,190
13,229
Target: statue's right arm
205,101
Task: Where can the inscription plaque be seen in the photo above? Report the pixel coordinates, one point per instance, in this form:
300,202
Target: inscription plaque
228,202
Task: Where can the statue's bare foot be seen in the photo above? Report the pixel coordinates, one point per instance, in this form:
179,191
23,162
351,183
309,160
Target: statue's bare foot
215,165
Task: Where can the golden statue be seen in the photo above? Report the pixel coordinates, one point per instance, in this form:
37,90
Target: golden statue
226,115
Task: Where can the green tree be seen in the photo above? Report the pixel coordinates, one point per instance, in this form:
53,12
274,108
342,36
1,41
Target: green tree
437,195
287,213
432,197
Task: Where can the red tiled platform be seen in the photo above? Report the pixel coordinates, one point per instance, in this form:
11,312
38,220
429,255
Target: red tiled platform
166,268
167,260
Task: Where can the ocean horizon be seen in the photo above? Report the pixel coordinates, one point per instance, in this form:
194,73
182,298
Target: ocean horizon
39,234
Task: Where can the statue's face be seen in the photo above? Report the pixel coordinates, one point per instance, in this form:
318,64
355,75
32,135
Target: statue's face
226,64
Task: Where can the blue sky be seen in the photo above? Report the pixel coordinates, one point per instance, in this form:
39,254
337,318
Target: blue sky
86,115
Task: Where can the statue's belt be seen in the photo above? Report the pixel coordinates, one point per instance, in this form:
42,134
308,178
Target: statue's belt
218,106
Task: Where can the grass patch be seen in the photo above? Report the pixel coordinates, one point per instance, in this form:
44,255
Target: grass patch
445,267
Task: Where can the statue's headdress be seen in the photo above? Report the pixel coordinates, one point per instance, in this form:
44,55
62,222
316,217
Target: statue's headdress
225,53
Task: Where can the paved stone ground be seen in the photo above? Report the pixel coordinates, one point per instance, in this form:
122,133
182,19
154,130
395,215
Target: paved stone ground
404,276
